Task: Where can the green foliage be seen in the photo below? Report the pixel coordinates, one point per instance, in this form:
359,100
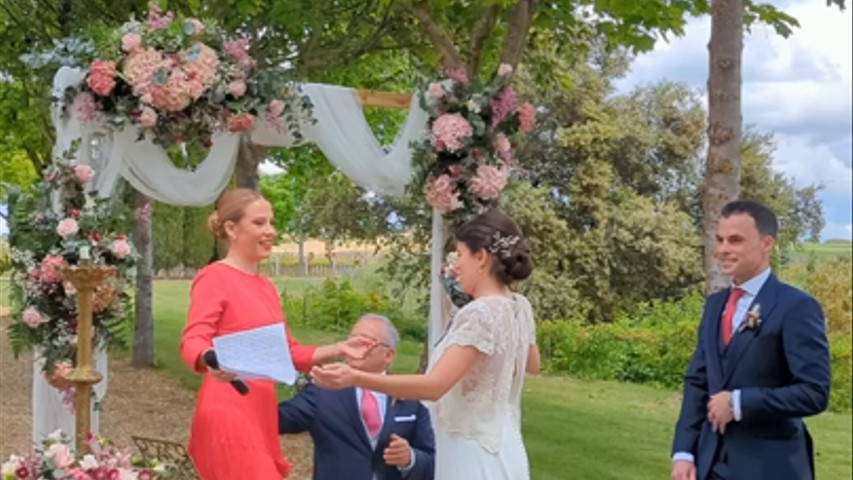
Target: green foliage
337,305
180,237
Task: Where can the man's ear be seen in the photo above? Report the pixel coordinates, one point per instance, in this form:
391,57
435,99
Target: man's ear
768,243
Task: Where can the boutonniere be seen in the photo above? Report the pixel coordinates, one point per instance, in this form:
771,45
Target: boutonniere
753,319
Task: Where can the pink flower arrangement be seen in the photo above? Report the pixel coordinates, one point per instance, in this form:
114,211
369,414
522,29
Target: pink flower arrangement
120,248
458,75
502,106
33,318
442,195
502,145
201,62
239,50
449,130
101,78
140,67
489,182
173,95
156,19
276,108
148,117
60,454
526,117
436,90
504,69
51,268
67,227
131,42
84,173
85,107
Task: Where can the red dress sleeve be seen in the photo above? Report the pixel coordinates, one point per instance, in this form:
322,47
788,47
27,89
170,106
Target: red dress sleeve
207,302
302,355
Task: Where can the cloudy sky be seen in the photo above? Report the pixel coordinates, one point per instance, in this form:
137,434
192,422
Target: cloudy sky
799,88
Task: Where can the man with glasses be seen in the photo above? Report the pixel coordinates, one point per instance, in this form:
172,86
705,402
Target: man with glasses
359,434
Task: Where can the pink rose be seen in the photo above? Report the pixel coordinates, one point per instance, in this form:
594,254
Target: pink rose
526,117
489,182
449,129
67,227
504,69
120,248
456,171
131,42
241,122
276,108
146,99
60,454
237,88
442,195
502,143
148,117
84,173
436,90
33,318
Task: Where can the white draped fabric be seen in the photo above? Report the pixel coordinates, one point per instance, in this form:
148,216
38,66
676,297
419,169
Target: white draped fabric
341,132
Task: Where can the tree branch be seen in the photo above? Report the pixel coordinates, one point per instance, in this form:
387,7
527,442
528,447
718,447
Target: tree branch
519,24
482,29
437,35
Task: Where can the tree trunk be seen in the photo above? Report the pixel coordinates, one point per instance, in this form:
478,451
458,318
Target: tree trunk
143,336
722,169
249,157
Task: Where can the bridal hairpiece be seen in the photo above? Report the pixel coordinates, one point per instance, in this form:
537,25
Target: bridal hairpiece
502,245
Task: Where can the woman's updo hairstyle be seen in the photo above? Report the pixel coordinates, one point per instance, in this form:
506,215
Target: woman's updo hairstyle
230,208
498,234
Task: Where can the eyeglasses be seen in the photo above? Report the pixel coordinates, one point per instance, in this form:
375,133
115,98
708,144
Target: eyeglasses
375,342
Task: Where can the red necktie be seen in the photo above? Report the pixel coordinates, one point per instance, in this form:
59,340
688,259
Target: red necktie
370,413
729,313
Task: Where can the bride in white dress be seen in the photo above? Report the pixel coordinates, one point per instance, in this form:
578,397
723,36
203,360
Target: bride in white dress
478,368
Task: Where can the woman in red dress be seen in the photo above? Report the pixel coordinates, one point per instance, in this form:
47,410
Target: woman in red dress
235,436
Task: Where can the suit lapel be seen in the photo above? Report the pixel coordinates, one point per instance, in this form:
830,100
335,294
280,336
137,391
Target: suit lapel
351,406
714,312
766,298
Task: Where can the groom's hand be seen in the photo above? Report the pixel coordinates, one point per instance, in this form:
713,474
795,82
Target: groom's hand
720,411
398,453
683,470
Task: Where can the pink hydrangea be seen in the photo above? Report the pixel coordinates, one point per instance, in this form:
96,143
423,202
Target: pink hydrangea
459,75
237,88
140,67
85,107
33,318
101,78
448,130
196,89
120,248
502,143
172,95
200,62
156,19
436,90
526,117
67,227
241,122
502,106
442,195
84,173
131,42
148,117
489,182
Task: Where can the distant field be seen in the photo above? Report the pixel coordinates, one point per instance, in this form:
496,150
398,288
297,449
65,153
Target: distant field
822,250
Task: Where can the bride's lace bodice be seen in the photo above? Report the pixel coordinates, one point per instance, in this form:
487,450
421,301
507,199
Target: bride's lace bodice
488,397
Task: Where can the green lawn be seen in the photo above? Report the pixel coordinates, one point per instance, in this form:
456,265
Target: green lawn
572,428
807,251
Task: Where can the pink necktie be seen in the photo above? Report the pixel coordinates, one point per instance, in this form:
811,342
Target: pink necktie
370,413
728,315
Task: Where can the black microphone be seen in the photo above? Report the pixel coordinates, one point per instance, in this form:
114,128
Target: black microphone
212,362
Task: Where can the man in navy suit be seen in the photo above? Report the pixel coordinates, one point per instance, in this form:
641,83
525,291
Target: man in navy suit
761,364
359,434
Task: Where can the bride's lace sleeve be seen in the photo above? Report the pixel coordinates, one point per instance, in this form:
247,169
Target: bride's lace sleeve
473,326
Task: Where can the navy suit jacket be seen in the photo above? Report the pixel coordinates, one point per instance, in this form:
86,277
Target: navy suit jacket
782,370
341,447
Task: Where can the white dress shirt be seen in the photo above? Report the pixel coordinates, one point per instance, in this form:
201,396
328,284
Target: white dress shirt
751,288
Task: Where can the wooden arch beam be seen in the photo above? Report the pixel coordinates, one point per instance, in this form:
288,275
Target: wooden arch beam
377,99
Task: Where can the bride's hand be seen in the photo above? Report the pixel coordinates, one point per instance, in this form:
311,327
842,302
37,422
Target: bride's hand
334,376
356,347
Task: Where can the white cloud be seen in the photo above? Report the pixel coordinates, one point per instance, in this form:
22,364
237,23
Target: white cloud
838,231
269,168
807,163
